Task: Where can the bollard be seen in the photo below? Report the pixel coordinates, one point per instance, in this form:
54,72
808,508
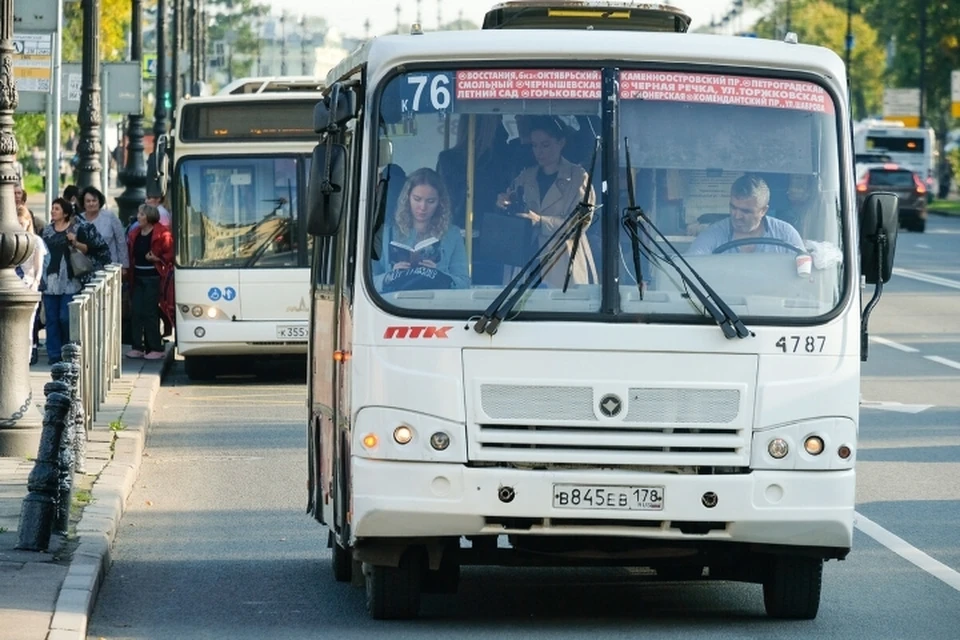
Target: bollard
38,511
71,375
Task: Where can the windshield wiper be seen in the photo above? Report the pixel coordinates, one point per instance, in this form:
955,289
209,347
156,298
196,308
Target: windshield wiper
632,224
728,321
542,260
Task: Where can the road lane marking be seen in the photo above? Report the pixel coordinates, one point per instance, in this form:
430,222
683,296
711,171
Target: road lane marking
897,407
944,361
894,345
923,277
907,551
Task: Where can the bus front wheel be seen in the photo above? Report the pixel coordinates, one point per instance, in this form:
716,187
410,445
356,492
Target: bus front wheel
393,593
791,588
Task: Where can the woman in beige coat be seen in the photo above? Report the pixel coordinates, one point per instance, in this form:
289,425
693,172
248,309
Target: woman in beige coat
550,191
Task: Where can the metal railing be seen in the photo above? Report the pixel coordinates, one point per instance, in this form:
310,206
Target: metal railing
95,328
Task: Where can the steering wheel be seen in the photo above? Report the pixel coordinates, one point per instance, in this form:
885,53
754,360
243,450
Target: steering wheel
733,244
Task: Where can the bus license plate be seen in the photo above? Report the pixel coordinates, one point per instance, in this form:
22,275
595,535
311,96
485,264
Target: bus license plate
586,496
293,331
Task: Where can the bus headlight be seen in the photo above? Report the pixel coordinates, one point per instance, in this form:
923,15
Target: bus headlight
212,312
440,441
396,433
821,444
403,434
813,445
196,311
778,448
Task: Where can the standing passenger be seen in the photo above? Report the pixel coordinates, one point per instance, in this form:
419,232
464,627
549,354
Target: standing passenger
31,271
150,247
107,223
65,233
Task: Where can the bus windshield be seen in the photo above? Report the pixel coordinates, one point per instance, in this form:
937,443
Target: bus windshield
740,173
240,211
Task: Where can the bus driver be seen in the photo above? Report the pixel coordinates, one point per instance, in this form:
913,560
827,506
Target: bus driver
749,202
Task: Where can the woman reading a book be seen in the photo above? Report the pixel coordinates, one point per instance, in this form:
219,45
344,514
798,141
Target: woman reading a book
547,193
422,249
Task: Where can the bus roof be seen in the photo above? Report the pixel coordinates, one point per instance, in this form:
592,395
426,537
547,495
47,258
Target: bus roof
618,15
273,84
507,45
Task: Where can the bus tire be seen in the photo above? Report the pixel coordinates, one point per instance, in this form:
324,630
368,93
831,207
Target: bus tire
791,589
199,368
342,563
393,593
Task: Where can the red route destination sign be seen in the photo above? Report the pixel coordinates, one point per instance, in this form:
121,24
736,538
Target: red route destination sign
724,89
528,84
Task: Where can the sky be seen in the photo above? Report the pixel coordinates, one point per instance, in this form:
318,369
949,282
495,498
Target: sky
349,15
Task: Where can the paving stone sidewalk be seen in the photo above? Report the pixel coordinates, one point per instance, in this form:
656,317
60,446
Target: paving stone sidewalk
49,596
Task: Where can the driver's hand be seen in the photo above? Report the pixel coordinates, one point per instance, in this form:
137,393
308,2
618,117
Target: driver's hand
429,263
531,216
401,265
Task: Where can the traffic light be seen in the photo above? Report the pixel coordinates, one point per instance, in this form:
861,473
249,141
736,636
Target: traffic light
167,103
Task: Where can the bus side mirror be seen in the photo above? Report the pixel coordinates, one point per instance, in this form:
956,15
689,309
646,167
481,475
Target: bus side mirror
335,110
879,222
328,178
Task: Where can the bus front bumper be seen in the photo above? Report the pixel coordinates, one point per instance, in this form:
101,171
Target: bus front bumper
252,337
411,499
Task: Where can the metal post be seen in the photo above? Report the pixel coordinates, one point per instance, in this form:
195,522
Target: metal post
788,17
89,116
38,511
104,113
849,40
175,69
134,175
923,59
20,424
53,177
160,109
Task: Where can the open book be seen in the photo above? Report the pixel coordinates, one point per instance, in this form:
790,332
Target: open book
428,249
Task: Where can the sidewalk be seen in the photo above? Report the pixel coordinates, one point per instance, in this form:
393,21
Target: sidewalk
49,596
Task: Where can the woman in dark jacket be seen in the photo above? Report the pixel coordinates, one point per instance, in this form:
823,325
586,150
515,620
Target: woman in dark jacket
150,246
64,234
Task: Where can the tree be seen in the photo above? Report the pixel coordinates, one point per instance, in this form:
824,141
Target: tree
30,128
821,23
899,22
236,21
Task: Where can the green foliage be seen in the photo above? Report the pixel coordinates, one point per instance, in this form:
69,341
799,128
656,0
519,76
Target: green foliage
239,19
115,18
33,183
819,22
117,425
899,21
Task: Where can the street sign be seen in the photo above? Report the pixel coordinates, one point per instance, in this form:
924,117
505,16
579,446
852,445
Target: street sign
31,102
955,93
902,105
149,65
33,61
124,87
35,15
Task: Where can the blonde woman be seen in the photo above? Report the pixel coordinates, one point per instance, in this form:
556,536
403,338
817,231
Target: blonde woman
422,249
31,271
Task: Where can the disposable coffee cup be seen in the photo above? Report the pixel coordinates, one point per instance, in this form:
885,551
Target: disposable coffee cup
804,264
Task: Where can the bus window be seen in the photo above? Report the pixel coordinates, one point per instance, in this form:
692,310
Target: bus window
504,154
239,212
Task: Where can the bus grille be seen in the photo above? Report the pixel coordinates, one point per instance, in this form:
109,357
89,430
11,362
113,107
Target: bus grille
657,426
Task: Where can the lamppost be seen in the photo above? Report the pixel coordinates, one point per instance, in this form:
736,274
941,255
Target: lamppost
923,59
88,148
160,108
134,175
20,424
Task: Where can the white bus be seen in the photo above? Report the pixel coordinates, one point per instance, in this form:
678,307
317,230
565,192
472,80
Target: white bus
685,404
914,148
240,163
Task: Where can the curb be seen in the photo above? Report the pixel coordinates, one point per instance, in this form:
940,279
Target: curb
98,523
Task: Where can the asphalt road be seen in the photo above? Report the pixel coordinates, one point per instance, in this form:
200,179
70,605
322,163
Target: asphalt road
215,542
